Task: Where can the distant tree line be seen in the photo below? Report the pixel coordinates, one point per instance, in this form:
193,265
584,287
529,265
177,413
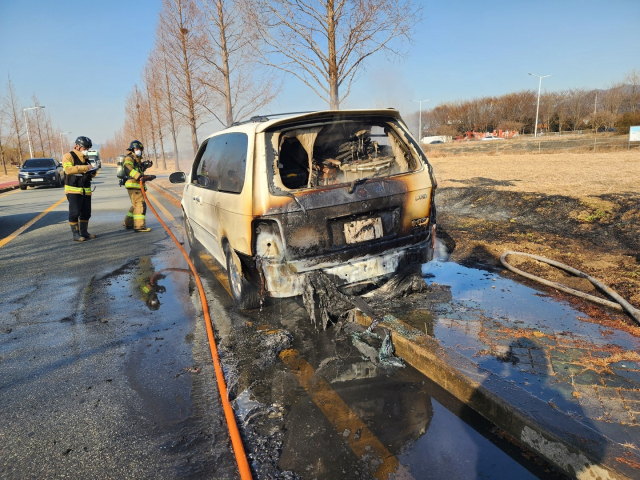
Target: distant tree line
616,107
46,140
216,60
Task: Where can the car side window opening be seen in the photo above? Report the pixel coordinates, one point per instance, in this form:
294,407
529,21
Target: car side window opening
206,168
232,161
341,152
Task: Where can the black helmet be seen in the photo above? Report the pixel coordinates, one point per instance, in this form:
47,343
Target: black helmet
84,142
135,144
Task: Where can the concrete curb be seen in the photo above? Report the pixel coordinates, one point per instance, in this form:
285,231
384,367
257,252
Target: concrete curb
567,444
7,189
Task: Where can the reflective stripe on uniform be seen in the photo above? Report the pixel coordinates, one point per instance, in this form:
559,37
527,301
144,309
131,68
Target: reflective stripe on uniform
70,189
129,214
139,217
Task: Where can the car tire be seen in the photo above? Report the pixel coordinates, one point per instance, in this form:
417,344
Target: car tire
194,244
244,293
23,188
59,183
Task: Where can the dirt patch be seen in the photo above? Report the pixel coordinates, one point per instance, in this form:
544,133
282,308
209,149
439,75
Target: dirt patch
580,215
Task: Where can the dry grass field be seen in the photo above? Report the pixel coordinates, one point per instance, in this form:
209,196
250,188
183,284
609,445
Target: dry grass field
573,174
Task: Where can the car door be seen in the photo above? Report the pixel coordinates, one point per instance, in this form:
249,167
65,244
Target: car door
197,193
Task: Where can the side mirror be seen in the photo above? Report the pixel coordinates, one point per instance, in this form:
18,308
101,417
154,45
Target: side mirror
177,177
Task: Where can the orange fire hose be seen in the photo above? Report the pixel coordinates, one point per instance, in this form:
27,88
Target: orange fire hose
234,433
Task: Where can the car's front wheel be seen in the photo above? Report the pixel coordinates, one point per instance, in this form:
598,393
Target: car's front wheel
188,232
59,183
244,293
23,187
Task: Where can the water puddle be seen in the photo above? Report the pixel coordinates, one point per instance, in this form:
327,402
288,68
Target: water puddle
543,345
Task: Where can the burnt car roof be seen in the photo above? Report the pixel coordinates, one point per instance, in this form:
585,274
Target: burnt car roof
325,115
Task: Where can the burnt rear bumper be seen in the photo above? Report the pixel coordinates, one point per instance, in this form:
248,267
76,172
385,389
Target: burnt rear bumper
285,279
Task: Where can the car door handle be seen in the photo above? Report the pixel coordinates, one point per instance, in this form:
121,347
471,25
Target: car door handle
197,199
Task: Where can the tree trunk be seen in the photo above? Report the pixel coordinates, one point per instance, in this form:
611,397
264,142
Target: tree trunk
334,97
157,109
190,101
171,121
225,66
4,165
153,130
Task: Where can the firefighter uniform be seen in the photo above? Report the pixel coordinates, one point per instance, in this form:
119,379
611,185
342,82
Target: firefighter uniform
136,217
78,191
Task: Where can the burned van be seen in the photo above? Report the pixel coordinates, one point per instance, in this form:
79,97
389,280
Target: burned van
349,193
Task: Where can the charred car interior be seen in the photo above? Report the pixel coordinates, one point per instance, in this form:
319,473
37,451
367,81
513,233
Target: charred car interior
341,152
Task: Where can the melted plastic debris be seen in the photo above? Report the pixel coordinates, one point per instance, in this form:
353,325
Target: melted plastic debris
244,406
387,353
271,344
376,351
333,304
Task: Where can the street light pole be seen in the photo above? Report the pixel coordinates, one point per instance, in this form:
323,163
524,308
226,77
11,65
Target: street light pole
535,131
27,124
420,120
61,144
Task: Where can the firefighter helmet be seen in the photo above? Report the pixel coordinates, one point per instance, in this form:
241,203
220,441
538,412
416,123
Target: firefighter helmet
84,142
136,144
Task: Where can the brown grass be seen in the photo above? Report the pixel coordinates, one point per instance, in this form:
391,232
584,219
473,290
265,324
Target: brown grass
572,174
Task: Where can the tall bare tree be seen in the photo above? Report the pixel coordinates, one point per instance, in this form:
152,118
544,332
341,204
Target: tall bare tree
231,51
326,44
150,76
38,123
12,108
179,29
4,165
166,99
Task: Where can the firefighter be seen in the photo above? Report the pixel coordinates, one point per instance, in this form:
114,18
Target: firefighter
77,187
134,169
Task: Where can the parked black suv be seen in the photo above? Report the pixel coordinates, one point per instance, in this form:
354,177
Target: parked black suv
41,171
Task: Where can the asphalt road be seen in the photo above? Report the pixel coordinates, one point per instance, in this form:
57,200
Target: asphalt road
102,376
92,380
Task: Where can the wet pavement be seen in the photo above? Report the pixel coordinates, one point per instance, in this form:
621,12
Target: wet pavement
551,350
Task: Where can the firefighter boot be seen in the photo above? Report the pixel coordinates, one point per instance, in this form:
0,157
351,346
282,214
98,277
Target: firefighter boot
83,231
76,234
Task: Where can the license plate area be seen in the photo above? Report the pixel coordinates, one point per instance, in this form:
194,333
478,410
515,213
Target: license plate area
357,231
36,179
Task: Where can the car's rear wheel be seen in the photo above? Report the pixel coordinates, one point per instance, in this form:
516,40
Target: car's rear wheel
244,293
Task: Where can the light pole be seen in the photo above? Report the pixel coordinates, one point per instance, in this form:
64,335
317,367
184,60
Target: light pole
535,131
61,144
420,120
27,123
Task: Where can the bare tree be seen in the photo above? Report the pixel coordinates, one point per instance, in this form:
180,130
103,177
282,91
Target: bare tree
153,92
232,53
166,99
326,44
12,108
632,80
179,29
37,118
4,165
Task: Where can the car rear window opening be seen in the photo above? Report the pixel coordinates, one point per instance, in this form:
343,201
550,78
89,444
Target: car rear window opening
341,152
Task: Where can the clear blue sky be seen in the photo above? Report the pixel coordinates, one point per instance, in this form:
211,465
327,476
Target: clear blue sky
81,58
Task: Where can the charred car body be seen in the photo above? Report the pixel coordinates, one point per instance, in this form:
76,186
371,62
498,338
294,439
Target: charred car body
349,193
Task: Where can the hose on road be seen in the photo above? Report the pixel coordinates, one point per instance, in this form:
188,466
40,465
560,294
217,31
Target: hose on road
234,433
619,304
